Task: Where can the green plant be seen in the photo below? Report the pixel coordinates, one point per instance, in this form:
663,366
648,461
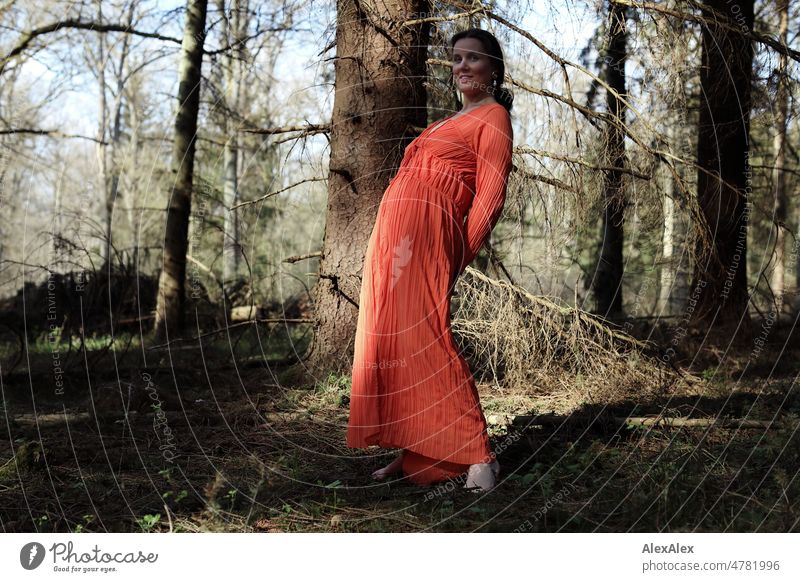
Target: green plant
41,522
231,497
81,527
177,497
149,521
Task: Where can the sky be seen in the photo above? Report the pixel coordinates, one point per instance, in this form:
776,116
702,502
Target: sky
557,24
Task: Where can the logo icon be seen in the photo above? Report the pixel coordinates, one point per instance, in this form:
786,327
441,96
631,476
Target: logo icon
31,555
402,255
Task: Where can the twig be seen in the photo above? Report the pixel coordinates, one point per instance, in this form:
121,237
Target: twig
277,192
297,258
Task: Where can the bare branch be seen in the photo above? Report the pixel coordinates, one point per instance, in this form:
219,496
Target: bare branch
28,37
271,194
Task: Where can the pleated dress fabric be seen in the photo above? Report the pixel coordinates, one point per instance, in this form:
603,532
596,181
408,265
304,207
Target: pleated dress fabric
411,388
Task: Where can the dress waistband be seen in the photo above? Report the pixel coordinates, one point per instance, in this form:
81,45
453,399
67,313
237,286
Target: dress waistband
438,174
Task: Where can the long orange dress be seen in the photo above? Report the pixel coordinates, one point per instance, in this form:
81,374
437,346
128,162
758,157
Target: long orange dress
411,388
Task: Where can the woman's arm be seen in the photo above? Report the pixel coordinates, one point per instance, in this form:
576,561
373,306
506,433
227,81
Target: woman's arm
493,142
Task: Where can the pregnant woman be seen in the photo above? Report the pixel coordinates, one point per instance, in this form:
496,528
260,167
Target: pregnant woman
411,388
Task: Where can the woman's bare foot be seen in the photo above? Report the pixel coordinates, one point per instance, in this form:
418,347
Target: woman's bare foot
482,477
394,467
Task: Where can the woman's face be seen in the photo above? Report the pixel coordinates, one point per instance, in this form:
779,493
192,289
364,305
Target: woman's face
472,68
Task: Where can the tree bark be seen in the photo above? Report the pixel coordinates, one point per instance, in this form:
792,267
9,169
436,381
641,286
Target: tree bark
236,25
779,150
379,95
102,153
675,271
607,282
720,273
172,281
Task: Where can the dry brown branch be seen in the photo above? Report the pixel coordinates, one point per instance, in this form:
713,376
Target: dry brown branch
571,160
308,129
416,21
525,340
271,194
551,181
297,258
229,327
48,132
630,421
28,37
720,20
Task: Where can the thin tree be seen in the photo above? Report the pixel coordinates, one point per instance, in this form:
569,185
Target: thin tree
607,281
234,35
172,280
109,131
779,150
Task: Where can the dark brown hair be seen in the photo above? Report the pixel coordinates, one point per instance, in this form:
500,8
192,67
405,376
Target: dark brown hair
495,54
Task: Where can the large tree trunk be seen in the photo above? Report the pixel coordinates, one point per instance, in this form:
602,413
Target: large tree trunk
720,274
607,282
172,281
379,96
779,149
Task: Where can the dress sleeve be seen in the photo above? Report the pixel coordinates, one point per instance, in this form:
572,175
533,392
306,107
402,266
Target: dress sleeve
493,141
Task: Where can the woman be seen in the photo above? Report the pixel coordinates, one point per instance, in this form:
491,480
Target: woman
411,388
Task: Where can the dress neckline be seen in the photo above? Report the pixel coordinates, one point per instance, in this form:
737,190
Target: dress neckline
453,115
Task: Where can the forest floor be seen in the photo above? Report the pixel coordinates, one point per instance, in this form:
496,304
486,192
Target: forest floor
212,446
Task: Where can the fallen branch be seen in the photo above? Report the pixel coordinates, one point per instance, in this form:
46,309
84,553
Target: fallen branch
229,327
630,421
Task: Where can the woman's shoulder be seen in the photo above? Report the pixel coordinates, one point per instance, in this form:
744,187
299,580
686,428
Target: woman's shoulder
496,112
493,118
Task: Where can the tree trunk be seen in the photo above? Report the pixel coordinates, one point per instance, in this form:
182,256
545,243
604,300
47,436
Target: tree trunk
172,281
234,35
58,231
720,274
108,145
607,282
379,95
116,129
129,186
779,149
675,272
102,147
